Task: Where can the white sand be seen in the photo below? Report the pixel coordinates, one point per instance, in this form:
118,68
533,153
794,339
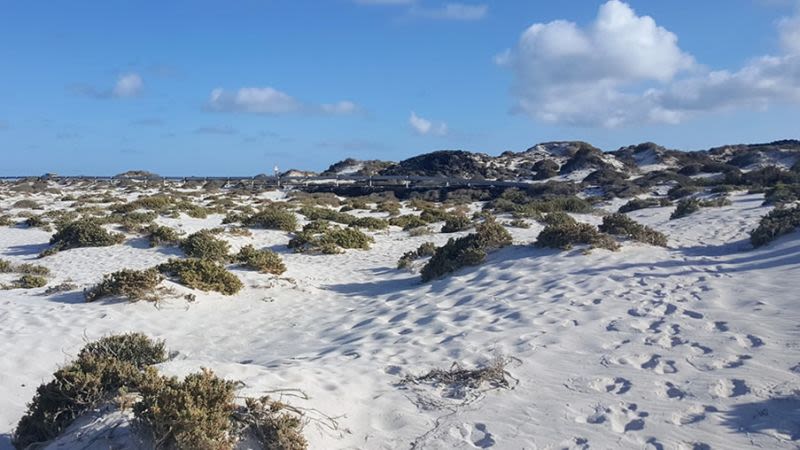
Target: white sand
691,347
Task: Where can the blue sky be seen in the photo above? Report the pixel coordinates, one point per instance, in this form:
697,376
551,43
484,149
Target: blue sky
198,87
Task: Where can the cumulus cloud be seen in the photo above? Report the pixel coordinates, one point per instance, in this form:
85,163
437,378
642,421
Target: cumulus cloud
425,127
624,68
127,85
268,100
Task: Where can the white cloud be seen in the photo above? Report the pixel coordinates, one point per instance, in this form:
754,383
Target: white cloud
453,11
425,127
339,108
128,85
624,68
267,100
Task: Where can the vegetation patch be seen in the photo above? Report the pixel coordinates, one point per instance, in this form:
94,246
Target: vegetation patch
622,225
264,261
272,218
455,223
778,222
469,250
132,284
636,204
81,233
685,208
426,249
566,235
205,245
160,235
202,274
319,236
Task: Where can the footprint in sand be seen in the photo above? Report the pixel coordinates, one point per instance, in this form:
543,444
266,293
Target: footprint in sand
729,388
750,341
674,392
616,385
481,437
693,414
622,418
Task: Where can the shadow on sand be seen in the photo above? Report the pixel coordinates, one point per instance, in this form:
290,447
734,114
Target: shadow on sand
780,414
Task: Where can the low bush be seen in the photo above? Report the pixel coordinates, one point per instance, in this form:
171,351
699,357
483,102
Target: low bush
469,250
392,207
684,208
193,413
331,215
5,221
201,274
37,222
558,218
426,249
132,284
636,204
407,222
778,222
81,233
160,235
28,282
782,194
31,269
455,223
26,204
317,236
264,261
370,223
680,191
420,231
272,218
100,371
204,245
565,235
622,225
6,266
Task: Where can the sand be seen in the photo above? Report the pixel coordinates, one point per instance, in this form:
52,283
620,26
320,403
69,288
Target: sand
690,347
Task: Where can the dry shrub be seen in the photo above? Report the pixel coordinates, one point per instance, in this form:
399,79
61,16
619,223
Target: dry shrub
564,236
160,235
81,233
469,250
622,225
457,380
132,284
204,245
778,222
264,261
201,274
272,218
426,249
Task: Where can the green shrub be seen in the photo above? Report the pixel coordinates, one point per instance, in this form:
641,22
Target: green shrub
622,225
782,194
392,207
407,222
31,269
370,223
329,240
518,223
681,191
201,274
101,370
26,204
716,202
160,235
272,218
426,249
565,235
132,348
131,284
157,203
431,215
37,222
331,215
6,221
420,231
636,204
81,233
455,223
193,413
778,222
684,208
204,245
469,250
558,218
30,282
264,261
6,266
